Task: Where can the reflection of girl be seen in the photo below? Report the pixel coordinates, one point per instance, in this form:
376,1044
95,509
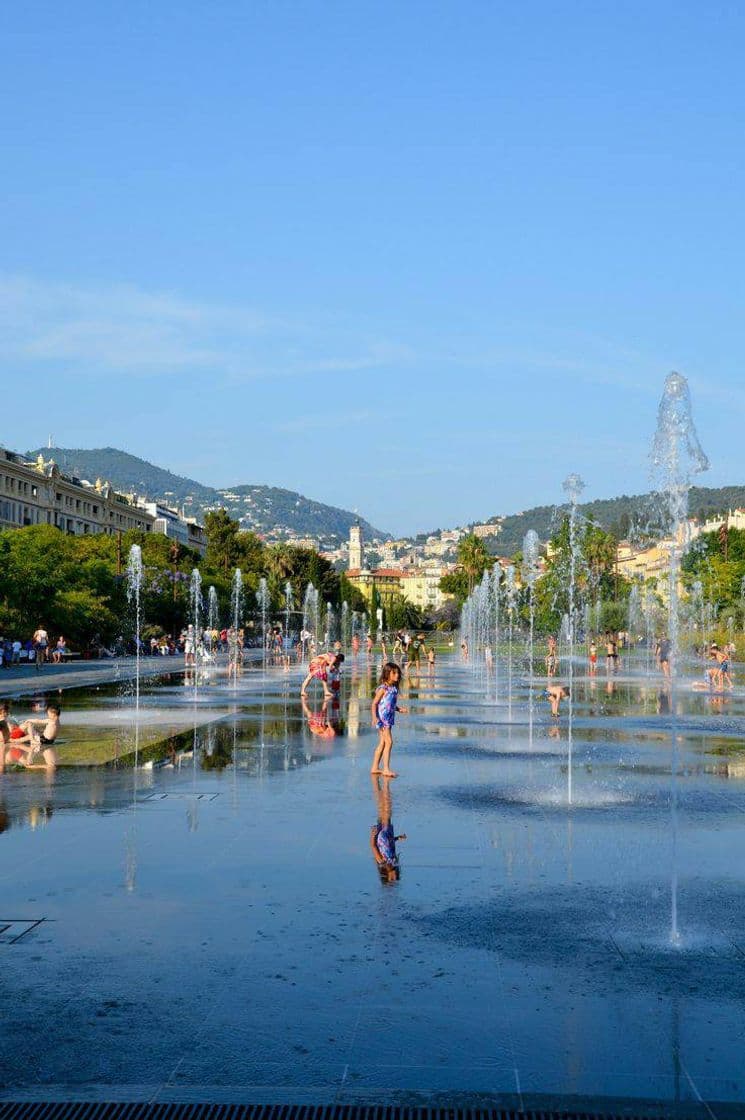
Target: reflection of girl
382,836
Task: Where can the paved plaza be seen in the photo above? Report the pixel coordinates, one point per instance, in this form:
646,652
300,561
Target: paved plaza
212,926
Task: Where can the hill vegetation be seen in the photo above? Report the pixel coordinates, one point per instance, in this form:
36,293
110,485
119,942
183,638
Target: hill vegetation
257,508
619,516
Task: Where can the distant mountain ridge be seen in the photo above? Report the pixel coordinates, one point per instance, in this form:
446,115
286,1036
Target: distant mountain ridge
618,514
257,507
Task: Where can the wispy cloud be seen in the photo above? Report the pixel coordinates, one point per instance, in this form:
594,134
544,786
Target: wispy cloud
126,328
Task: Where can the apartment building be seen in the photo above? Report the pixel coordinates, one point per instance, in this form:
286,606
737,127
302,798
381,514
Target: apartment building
37,493
171,523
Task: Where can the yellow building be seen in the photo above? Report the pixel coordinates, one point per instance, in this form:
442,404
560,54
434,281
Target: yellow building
422,588
385,582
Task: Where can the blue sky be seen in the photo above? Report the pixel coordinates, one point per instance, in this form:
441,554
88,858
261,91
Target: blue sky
420,259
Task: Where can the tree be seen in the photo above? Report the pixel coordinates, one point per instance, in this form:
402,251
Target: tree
223,548
401,614
473,559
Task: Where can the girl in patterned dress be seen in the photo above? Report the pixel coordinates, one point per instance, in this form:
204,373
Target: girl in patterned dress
383,712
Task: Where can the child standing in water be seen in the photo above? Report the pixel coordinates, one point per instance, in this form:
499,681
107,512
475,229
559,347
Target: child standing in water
383,711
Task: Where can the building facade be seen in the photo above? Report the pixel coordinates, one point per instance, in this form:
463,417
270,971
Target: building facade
37,493
186,530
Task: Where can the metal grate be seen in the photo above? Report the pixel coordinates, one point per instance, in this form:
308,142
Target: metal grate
77,1110
13,929
151,798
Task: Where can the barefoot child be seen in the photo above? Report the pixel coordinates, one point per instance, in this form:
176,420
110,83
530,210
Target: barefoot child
319,669
555,693
383,712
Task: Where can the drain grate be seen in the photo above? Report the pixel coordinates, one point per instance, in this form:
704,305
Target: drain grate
151,797
13,929
77,1110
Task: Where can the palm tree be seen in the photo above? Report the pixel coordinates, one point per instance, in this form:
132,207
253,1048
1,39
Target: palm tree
474,559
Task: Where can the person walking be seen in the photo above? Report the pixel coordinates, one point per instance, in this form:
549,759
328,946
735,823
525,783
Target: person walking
41,644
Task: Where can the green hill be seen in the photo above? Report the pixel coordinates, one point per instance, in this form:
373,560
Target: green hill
616,514
260,508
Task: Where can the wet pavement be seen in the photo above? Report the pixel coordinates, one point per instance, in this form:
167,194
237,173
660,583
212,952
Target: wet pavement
213,926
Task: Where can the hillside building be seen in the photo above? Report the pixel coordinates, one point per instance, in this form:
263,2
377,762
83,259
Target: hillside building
419,585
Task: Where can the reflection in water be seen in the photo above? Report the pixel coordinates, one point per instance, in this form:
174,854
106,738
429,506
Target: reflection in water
382,835
320,722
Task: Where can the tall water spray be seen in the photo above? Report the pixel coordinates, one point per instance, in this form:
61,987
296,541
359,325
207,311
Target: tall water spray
510,589
134,597
213,610
310,613
288,612
329,626
676,456
196,607
573,487
236,617
346,625
496,576
236,600
262,598
634,613
531,569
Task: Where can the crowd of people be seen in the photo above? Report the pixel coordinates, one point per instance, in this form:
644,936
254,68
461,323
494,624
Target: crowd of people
35,650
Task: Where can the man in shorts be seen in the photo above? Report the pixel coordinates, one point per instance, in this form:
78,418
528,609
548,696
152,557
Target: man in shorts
41,644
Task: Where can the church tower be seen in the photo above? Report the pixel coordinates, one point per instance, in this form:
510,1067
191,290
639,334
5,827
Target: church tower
355,548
